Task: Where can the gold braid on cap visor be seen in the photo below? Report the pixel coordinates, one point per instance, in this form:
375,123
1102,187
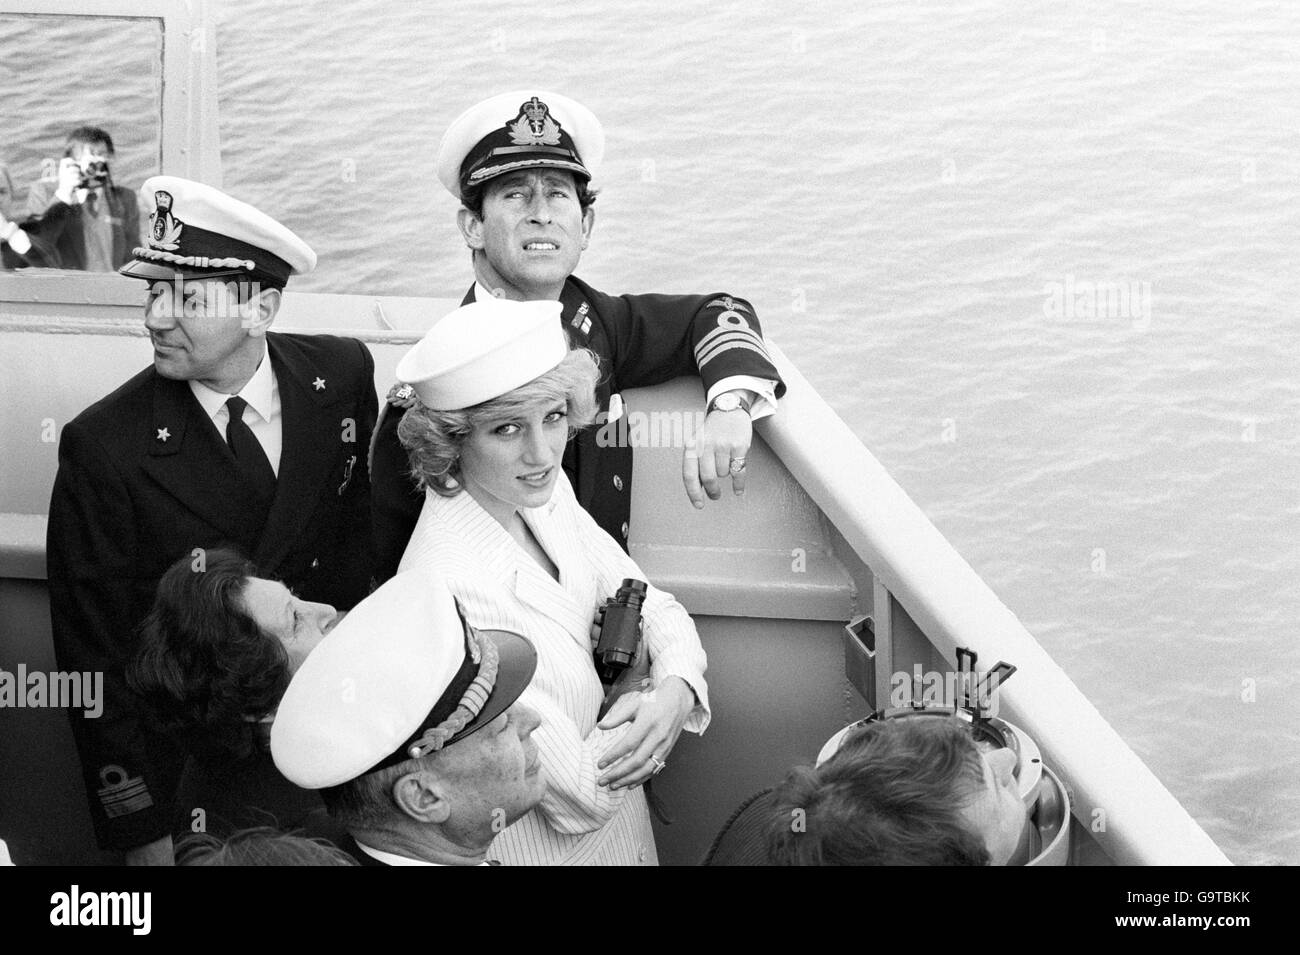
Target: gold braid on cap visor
193,261
488,171
471,704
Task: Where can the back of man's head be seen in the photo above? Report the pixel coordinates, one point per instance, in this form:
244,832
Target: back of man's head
892,795
366,803
260,846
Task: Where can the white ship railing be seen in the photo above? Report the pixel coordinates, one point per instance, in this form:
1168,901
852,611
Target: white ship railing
1116,797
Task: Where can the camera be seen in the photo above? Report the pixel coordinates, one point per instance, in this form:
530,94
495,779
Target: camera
620,630
94,175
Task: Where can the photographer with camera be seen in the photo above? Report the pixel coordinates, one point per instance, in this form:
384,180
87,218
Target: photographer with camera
91,223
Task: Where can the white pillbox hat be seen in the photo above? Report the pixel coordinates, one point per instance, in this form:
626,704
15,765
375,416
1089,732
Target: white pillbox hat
484,350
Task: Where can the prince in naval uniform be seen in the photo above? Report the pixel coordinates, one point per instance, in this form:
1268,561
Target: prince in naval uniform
234,435
520,164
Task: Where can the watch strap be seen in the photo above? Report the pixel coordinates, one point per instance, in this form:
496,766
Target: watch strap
740,400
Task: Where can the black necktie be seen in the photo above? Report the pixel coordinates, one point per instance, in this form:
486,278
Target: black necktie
248,451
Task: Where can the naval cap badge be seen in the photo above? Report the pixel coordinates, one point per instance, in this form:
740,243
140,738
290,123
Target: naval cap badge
166,232
534,125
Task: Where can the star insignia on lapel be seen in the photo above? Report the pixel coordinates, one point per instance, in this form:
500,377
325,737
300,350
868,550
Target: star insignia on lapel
163,434
319,384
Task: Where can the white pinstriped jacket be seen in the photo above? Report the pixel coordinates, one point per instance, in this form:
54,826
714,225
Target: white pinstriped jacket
501,587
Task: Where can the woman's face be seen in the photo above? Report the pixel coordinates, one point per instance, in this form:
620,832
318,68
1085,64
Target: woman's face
513,461
296,623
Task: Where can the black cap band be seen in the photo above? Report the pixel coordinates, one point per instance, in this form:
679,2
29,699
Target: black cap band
200,251
445,706
531,139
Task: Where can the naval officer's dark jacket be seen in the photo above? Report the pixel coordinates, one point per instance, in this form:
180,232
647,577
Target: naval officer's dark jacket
641,340
144,479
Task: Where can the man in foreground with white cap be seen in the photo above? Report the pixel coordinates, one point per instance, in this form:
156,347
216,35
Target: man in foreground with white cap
520,163
406,717
234,435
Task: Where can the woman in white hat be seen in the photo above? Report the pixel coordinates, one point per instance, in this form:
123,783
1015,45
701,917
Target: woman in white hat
496,395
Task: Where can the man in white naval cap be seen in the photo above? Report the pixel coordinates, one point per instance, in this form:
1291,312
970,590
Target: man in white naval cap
406,718
520,164
233,435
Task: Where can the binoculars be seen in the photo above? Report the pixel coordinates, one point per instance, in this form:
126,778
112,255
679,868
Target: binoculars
620,630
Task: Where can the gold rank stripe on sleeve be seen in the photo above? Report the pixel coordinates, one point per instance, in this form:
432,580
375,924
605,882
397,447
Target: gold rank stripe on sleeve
725,339
120,795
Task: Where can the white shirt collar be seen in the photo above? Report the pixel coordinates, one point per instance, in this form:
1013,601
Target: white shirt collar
258,391
482,293
390,859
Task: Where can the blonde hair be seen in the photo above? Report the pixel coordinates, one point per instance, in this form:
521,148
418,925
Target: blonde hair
434,439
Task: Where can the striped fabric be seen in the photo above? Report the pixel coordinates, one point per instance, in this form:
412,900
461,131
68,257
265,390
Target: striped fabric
501,587
734,331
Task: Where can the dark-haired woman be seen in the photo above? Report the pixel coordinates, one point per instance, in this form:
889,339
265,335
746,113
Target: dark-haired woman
213,659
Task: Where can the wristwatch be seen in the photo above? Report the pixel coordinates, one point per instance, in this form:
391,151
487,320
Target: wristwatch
729,401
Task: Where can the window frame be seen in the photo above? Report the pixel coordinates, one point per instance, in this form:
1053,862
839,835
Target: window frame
188,143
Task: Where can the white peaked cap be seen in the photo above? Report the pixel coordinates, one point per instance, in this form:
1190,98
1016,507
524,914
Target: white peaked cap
196,229
395,668
520,130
